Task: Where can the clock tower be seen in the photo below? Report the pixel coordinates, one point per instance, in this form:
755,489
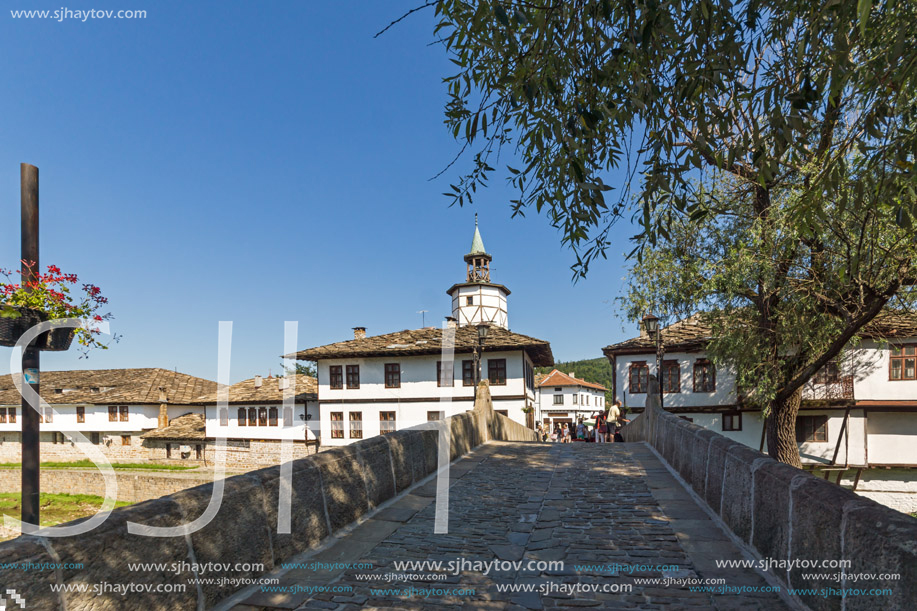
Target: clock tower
478,300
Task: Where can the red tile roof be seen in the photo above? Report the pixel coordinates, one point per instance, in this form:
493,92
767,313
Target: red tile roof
559,378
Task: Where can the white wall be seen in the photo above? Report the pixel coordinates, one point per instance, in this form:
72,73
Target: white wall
725,382
869,365
546,406
234,431
140,417
488,305
892,438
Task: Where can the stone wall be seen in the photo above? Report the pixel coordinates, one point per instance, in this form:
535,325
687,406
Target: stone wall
66,451
330,490
785,514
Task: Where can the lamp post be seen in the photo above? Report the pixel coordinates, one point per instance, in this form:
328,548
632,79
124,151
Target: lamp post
483,330
651,325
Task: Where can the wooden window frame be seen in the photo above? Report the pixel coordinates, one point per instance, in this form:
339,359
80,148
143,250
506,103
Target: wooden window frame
287,416
393,375
704,364
112,413
809,431
384,419
734,419
667,377
560,401
337,425
469,300
336,377
493,368
252,417
576,398
439,375
642,371
2,415
272,416
355,430
262,416
467,368
830,373
352,377
124,413
81,414
125,440
11,415
902,357
241,416
439,416
224,416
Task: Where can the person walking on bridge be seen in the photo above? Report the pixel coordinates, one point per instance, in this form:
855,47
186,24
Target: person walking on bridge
614,416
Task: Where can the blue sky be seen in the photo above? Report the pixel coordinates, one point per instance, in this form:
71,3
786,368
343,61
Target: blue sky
263,162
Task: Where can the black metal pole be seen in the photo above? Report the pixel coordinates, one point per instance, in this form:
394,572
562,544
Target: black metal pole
659,357
31,355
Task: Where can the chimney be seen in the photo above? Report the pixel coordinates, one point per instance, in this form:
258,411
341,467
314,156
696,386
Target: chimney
359,332
282,383
451,322
572,374
257,381
163,419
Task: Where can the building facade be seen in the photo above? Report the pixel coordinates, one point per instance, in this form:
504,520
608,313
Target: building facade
112,408
857,424
564,399
377,384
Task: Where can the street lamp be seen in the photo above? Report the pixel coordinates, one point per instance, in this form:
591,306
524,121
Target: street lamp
651,326
483,330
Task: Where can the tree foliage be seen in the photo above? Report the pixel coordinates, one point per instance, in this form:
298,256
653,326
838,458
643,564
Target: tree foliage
775,92
597,371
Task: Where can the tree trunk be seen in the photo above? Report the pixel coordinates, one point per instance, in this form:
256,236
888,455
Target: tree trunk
781,430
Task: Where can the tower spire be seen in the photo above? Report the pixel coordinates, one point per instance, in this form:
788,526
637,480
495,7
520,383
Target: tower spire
478,260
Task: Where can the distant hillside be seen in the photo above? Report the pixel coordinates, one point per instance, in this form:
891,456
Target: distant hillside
597,371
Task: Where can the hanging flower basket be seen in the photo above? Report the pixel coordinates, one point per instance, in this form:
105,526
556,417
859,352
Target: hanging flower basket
14,321
56,340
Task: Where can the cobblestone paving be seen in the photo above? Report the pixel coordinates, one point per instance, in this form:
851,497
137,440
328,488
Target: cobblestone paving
583,504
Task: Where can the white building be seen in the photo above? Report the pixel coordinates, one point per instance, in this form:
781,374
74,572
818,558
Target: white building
564,399
857,424
111,407
377,384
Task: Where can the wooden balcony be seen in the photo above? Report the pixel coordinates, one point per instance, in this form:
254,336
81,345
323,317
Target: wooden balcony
833,390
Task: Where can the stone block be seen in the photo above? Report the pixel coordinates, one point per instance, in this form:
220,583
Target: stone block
771,521
404,445
343,483
737,486
107,551
716,463
376,465
430,456
880,540
698,478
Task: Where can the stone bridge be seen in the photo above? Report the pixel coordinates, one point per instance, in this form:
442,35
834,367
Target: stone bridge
663,521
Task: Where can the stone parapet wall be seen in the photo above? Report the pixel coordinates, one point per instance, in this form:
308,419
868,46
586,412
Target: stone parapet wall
785,514
330,490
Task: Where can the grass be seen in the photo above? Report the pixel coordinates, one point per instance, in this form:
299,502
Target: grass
56,508
87,464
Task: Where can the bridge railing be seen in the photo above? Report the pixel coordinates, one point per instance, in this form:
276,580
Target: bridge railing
783,514
330,490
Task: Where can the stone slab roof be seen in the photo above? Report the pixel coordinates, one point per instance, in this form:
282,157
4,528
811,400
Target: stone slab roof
694,332
306,388
186,427
429,340
559,378
108,386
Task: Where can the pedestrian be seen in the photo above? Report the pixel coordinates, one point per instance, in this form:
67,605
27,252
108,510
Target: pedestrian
555,433
614,416
566,433
600,427
580,429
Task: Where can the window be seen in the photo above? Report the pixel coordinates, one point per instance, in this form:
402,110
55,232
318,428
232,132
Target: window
112,413
467,373
125,440
337,425
575,399
829,374
122,411
272,416
469,300
80,413
2,415
356,425
587,399
252,417
671,376
262,416
447,377
732,421
240,414
529,374
198,452
11,415
95,438
704,376
639,377
168,450
49,415
224,417
288,416
353,376
902,361
434,416
336,377
558,399
496,371
392,375
811,428
386,422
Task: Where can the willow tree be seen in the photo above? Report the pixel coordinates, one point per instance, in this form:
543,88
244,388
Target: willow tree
783,296
797,102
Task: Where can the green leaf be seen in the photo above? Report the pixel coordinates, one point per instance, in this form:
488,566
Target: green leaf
863,9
